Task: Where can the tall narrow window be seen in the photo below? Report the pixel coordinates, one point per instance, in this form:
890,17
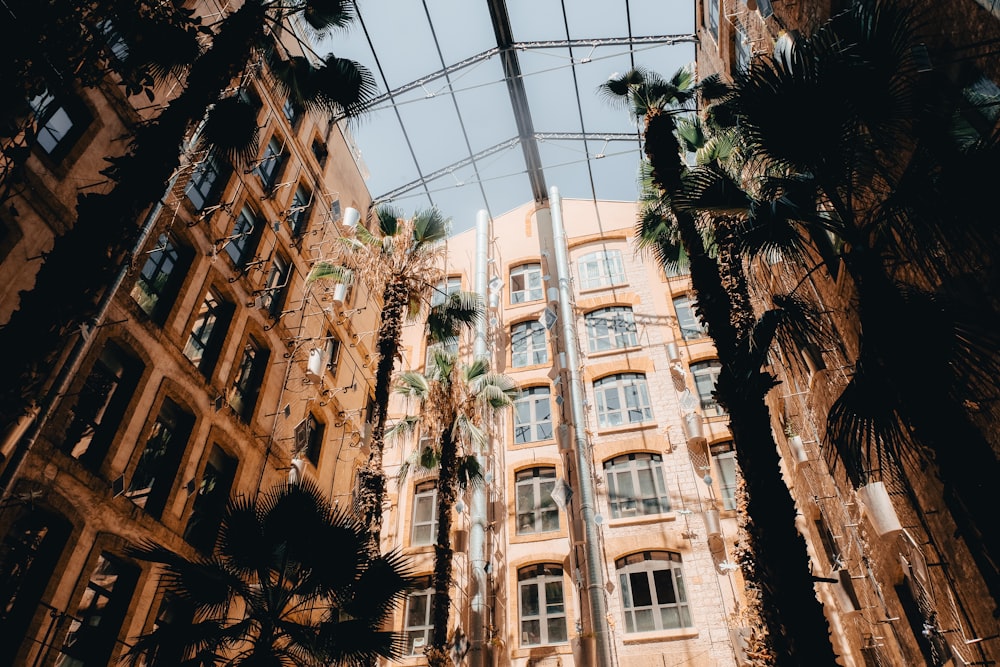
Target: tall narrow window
249,377
202,347
706,374
320,152
174,614
527,344
419,626
690,326
526,283
536,511
611,329
725,465
206,181
652,590
101,405
156,469
292,111
93,631
272,298
622,399
542,606
332,352
424,529
741,47
242,241
29,552
271,163
309,438
160,279
636,486
712,18
532,415
602,268
210,501
298,214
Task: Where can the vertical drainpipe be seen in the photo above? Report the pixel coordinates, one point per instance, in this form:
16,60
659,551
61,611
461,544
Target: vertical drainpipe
592,555
477,532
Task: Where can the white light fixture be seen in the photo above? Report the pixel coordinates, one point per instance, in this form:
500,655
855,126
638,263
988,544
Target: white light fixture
351,217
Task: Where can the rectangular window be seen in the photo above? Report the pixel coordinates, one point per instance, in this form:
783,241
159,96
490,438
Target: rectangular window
602,268
526,283
449,346
622,399
272,297
444,289
741,47
532,415
689,324
271,163
156,468
242,241
249,377
419,627
159,281
292,112
206,179
298,214
332,352
611,329
309,439
424,529
706,374
636,486
93,631
527,344
712,18
101,405
320,152
542,606
57,125
210,501
208,332
536,511
652,590
725,465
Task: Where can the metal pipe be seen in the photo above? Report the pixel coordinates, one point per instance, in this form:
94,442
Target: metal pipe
477,531
592,554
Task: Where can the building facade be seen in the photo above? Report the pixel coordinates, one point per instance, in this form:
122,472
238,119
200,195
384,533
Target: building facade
216,371
656,451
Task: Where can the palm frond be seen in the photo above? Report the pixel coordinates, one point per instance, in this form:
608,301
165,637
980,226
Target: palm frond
330,271
413,384
388,219
231,130
430,226
459,310
323,16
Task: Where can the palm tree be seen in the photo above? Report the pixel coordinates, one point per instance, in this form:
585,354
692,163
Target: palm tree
455,402
797,631
100,241
290,584
847,128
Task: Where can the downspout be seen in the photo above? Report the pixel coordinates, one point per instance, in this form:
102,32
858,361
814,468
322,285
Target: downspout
477,532
592,555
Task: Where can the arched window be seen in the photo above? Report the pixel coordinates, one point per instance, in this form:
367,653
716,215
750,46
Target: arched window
424,528
542,606
611,329
622,399
601,268
527,344
419,623
536,510
652,590
526,283
706,374
532,415
636,486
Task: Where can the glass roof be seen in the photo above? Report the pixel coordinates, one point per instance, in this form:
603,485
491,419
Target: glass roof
468,108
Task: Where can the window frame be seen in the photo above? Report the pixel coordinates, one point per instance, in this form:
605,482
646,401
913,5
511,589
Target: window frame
444,289
631,468
422,491
211,498
712,17
601,268
248,378
271,162
159,471
242,242
542,516
620,384
276,285
727,472
160,299
538,429
299,209
530,273
423,590
630,570
543,578
208,344
46,108
205,182
535,350
599,328
687,320
700,371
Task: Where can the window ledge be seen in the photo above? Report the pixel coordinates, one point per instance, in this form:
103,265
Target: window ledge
530,367
659,636
642,519
535,443
558,534
617,350
541,650
625,428
533,302
601,288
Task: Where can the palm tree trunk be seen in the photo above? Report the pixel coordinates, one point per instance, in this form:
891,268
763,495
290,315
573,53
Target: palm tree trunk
798,632
447,494
84,261
372,480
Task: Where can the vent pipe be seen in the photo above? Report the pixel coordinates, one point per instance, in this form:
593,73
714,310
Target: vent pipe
584,465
